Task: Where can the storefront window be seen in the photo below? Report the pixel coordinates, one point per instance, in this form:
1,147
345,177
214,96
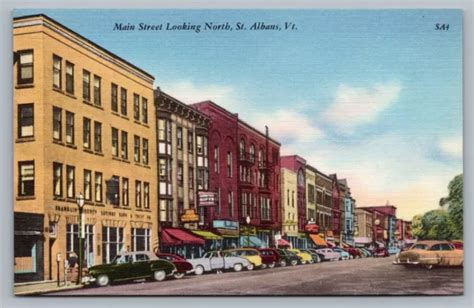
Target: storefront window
140,239
113,243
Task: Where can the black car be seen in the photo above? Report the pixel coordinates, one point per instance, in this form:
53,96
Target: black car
288,257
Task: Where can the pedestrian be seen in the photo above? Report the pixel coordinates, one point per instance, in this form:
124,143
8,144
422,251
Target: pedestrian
219,255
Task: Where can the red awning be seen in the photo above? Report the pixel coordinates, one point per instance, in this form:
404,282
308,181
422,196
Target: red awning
178,237
283,242
331,244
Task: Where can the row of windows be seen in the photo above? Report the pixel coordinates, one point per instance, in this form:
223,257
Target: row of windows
25,75
140,146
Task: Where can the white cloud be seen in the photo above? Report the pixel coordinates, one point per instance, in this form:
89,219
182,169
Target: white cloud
355,106
452,147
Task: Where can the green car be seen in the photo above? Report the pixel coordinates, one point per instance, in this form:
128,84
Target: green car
131,266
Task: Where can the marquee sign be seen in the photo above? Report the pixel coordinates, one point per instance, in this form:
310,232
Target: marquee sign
207,198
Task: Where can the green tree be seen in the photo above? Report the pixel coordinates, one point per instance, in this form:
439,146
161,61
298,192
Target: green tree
455,205
416,226
436,225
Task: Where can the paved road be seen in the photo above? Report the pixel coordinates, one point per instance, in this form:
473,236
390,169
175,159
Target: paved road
367,276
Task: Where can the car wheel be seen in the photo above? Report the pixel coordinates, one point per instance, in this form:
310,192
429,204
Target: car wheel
102,280
282,263
159,275
264,266
294,262
311,261
318,259
250,267
429,266
351,257
271,265
237,267
178,275
303,262
199,270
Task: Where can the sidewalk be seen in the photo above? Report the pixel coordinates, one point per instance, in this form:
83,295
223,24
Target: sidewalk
42,287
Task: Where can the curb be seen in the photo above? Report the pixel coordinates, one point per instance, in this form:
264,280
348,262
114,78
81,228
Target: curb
46,291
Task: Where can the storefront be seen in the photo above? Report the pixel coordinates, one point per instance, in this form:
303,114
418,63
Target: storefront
28,250
302,242
181,242
317,240
212,241
229,231
264,235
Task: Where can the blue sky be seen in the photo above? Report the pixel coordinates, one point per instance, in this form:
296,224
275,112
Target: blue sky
374,96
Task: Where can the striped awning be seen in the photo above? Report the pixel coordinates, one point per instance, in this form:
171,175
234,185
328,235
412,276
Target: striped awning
207,235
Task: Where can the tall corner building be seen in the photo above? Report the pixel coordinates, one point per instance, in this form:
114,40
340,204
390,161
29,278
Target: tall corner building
83,124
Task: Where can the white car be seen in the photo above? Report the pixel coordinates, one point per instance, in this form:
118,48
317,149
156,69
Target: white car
213,260
328,254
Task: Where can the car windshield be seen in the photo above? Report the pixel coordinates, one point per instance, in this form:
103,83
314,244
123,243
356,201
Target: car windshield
120,259
420,246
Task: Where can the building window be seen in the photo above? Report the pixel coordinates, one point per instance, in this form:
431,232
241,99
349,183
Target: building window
25,67
87,184
97,91
113,242
144,110
136,107
230,207
114,97
125,192
138,194
72,241
69,127
57,179
179,137
191,178
124,145
97,137
70,181
199,145
115,141
26,179
123,101
216,159
57,72
311,197
145,151
57,123
265,208
86,133
136,148
113,190
229,164
252,153
26,120
98,187
69,77
140,239
166,211
190,142
86,85
163,170
146,195
180,175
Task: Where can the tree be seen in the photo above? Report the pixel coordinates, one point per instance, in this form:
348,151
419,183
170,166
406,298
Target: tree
455,205
416,226
436,225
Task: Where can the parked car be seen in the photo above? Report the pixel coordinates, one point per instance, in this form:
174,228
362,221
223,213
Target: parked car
344,254
216,260
314,255
183,267
328,254
393,250
354,252
270,257
305,257
364,252
380,252
288,258
458,244
430,254
250,254
131,266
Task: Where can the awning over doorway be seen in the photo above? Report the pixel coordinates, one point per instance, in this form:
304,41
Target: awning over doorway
179,237
317,240
283,243
251,241
207,235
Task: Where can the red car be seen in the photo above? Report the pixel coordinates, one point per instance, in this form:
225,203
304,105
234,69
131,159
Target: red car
182,266
355,253
270,257
380,252
458,244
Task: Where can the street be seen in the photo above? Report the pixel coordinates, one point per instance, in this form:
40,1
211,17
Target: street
367,276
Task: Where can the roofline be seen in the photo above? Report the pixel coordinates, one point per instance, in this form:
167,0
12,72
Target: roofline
308,166
160,92
236,115
85,39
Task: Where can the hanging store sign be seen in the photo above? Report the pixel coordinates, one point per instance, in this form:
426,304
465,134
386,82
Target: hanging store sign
189,216
311,228
207,198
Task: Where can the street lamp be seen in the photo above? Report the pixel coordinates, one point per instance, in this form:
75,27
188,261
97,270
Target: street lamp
80,206
247,220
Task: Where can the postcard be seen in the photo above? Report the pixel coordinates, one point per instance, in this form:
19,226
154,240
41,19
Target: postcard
237,152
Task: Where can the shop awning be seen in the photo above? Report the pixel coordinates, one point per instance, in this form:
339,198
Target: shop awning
362,240
282,242
345,245
251,241
331,244
207,235
178,237
317,240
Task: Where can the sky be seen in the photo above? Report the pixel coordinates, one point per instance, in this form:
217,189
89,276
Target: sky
374,96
